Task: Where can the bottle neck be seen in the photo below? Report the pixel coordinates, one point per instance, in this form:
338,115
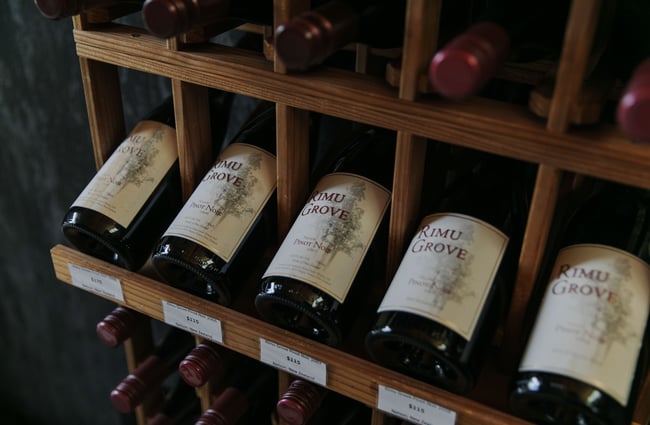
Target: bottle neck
260,129
202,363
311,37
370,155
167,18
118,326
299,403
616,216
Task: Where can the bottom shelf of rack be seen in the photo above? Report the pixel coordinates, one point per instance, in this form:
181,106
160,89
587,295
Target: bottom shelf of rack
345,373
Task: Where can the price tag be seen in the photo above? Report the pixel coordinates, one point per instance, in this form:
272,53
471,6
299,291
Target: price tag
192,321
413,409
292,361
99,283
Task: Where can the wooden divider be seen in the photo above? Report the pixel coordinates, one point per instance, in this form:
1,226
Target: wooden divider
573,61
420,40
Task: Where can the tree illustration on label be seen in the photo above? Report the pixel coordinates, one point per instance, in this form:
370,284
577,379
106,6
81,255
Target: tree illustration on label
450,274
232,198
610,310
340,232
141,153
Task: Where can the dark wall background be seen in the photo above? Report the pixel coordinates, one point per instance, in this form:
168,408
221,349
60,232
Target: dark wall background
53,370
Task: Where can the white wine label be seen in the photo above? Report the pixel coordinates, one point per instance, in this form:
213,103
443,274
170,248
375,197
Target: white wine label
447,272
226,203
192,321
413,409
293,362
131,174
591,321
99,283
328,241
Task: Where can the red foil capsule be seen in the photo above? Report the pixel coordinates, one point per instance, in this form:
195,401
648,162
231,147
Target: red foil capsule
463,66
633,112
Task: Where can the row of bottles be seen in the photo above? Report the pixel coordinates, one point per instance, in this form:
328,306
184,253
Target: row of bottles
448,297
244,390
477,38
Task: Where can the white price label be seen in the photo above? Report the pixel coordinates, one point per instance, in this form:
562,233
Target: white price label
99,283
294,362
413,409
192,321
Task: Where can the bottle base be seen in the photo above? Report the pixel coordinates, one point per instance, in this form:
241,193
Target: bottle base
291,315
559,400
419,360
92,244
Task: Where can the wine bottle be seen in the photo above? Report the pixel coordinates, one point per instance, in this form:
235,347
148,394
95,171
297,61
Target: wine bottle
152,371
323,260
119,325
224,226
445,301
58,9
180,407
248,398
167,18
134,196
587,352
306,403
313,36
634,106
501,30
206,361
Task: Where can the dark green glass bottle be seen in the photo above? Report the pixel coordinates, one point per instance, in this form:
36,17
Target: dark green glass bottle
587,353
448,296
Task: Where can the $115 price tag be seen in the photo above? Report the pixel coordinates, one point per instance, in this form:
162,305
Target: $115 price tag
293,362
192,321
413,409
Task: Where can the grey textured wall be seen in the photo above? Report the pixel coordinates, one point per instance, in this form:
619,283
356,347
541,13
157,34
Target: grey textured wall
53,370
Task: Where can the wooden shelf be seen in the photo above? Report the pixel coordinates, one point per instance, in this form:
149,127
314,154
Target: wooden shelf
479,123
346,374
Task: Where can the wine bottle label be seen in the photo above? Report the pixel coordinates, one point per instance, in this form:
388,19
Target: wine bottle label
447,272
131,174
228,201
592,318
328,241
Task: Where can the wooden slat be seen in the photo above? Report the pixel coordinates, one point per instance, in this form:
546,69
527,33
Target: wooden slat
136,349
540,217
193,132
482,124
293,163
346,374
292,133
422,23
579,33
104,104
582,22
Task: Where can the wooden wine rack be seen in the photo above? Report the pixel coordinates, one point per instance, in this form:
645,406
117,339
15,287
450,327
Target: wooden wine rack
478,123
